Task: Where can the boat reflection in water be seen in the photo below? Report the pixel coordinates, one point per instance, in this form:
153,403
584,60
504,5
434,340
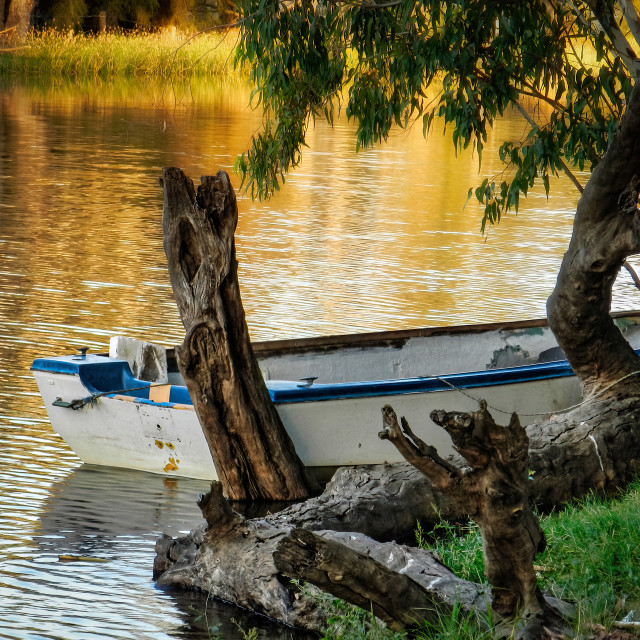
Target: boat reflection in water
110,519
94,507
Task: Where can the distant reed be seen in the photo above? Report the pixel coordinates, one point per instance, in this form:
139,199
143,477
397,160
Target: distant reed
116,54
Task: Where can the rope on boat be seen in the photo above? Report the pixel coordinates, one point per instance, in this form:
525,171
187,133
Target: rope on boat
546,413
93,398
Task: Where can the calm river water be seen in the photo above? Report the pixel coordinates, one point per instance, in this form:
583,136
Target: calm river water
353,243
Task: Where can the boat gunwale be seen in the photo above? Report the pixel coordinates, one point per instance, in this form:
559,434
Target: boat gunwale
290,392
266,348
294,392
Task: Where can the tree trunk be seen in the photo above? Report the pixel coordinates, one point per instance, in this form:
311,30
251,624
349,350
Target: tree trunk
253,454
17,14
606,230
356,577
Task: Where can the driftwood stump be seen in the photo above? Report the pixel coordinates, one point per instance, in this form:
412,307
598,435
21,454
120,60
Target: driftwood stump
494,490
253,454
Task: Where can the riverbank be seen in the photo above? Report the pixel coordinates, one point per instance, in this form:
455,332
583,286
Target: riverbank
164,54
592,559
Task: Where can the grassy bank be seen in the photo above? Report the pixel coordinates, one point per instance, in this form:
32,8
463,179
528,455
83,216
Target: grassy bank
592,559
139,54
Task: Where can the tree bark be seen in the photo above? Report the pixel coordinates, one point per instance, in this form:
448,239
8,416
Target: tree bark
249,562
606,231
253,454
356,577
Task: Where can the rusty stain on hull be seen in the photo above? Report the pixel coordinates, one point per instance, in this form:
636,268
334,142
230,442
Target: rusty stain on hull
172,465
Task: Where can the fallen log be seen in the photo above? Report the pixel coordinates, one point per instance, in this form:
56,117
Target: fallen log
247,562
368,575
595,447
244,561
493,489
236,562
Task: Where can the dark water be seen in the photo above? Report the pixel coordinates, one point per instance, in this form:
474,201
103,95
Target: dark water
377,240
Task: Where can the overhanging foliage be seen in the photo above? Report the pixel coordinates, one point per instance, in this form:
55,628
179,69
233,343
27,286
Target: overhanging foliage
569,68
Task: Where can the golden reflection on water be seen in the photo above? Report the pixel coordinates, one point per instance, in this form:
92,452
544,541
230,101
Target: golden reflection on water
353,242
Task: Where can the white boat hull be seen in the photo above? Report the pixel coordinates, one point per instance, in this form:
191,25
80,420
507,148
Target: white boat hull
123,431
333,422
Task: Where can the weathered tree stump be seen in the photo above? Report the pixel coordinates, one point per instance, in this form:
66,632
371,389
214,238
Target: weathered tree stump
493,490
253,454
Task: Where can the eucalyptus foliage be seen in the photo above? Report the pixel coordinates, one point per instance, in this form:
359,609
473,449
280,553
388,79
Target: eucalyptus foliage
395,62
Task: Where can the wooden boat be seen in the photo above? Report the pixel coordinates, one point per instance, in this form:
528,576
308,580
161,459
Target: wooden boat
329,392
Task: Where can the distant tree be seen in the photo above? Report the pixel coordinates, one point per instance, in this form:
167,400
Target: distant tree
16,15
127,14
70,13
120,13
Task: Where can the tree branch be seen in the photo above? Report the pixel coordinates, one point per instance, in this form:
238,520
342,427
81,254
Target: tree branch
619,43
632,272
631,16
565,167
579,15
442,474
495,490
394,597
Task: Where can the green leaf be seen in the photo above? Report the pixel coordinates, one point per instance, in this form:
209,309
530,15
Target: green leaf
469,195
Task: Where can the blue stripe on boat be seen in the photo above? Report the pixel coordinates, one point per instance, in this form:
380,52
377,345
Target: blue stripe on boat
284,391
100,374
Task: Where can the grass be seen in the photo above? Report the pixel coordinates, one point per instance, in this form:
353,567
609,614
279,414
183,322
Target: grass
351,623
139,54
593,556
592,559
